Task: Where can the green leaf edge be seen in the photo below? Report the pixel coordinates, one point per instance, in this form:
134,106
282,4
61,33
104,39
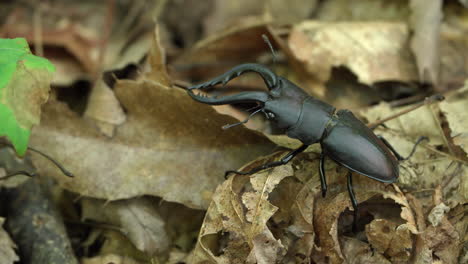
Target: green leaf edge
12,53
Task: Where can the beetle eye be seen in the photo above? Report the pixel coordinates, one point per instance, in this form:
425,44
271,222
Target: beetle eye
270,115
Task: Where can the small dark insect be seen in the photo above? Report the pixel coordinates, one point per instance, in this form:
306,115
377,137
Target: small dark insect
343,138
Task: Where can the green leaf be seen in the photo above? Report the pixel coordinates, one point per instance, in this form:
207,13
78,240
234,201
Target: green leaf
24,87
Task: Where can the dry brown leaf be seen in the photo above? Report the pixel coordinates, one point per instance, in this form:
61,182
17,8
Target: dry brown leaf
425,22
363,10
104,108
373,51
137,218
437,213
7,246
157,61
240,210
388,239
455,110
329,209
169,143
110,259
224,46
359,252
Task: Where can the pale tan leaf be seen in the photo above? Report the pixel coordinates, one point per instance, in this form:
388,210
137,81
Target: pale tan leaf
388,238
104,107
138,218
266,249
241,209
425,21
7,246
168,144
373,51
455,110
358,252
110,258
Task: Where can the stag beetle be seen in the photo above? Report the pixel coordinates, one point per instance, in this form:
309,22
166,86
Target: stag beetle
343,138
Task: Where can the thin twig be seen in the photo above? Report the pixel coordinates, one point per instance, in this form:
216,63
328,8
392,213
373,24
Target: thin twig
427,101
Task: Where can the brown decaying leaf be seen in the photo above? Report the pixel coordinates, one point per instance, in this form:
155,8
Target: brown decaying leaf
389,239
329,209
137,218
454,109
7,246
241,209
246,216
224,46
363,10
170,146
103,107
425,22
360,253
373,51
110,258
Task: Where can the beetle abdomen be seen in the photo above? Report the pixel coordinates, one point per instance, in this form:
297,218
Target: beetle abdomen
352,144
312,121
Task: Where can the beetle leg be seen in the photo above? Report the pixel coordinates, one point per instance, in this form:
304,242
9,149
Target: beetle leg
397,155
353,199
323,180
18,173
283,161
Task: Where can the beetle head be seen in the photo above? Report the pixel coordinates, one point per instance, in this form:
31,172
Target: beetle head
282,104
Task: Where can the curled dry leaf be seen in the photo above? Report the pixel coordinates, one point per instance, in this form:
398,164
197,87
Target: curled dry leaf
363,10
7,246
235,226
442,241
395,242
170,147
224,46
375,198
373,51
425,21
245,210
436,214
104,108
454,109
137,218
360,253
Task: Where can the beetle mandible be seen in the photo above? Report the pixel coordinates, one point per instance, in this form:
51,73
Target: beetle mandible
343,138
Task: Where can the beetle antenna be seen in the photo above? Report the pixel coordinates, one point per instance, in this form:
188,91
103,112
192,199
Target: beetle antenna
267,41
242,122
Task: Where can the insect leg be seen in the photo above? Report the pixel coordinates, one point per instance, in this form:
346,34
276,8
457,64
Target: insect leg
323,179
397,155
353,199
283,161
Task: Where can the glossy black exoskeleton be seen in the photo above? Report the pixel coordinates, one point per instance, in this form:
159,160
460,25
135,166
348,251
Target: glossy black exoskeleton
343,138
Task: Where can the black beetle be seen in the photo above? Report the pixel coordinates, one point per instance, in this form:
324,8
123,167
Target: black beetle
343,138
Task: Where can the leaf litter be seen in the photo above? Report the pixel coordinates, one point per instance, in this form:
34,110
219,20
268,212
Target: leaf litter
153,140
